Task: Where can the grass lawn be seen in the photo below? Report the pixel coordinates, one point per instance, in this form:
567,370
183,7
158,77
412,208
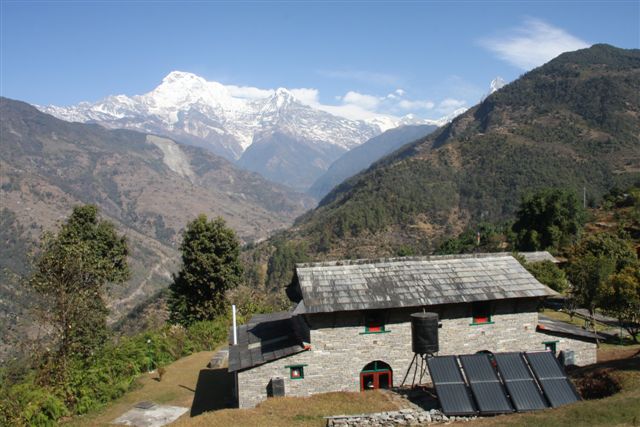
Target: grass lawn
294,411
176,389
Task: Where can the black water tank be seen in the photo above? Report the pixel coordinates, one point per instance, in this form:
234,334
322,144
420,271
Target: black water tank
424,333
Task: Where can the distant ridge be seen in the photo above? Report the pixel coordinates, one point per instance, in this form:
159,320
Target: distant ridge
364,155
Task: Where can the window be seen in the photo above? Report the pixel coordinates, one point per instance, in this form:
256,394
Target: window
296,372
376,375
481,313
374,323
551,346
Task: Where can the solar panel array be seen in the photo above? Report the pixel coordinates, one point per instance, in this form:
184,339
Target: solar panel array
517,382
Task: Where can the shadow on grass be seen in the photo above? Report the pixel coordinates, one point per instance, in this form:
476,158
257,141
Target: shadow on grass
214,390
628,364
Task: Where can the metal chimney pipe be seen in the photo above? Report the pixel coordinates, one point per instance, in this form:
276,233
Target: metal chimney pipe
235,328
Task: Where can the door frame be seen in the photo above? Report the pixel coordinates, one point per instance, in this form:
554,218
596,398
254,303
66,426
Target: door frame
376,372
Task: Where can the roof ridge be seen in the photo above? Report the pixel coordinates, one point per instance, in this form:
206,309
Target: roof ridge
361,261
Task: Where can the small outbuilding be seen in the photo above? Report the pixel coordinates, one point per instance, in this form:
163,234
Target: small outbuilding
351,329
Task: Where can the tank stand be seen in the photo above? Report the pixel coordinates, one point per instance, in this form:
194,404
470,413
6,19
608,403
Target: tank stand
419,365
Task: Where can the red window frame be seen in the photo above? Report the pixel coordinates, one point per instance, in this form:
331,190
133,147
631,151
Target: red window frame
374,322
480,313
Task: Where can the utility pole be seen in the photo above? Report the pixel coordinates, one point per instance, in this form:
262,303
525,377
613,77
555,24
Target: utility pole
584,197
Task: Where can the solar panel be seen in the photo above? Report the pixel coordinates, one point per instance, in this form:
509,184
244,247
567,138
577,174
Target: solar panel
554,382
521,386
485,385
452,391
444,369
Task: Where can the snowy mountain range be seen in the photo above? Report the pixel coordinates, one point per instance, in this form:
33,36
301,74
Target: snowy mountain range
268,131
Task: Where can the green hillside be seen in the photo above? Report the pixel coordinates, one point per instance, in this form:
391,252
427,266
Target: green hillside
572,123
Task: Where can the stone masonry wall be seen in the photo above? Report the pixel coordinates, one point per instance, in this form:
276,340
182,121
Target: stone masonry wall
340,348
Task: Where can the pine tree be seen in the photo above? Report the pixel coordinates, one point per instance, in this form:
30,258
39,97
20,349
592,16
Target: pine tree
210,267
71,271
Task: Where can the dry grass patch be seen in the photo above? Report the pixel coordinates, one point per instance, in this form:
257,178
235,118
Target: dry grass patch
176,389
295,411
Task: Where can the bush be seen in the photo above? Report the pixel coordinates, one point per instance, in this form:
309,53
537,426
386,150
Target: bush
549,274
105,375
30,404
598,384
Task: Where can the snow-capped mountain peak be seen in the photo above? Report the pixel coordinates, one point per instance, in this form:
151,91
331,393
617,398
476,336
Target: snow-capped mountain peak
228,119
181,76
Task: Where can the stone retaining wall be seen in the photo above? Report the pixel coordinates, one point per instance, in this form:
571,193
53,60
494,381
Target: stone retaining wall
411,417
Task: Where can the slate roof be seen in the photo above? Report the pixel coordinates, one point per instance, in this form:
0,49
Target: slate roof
414,281
265,338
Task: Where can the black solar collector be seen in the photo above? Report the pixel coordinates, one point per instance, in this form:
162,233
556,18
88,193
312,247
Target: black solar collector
517,378
554,382
485,385
453,393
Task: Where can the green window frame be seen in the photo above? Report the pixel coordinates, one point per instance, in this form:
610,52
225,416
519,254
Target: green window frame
551,345
296,372
481,314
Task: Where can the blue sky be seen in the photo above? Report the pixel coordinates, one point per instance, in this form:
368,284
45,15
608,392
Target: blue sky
389,57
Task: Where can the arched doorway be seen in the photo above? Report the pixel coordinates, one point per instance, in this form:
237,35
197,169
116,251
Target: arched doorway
376,374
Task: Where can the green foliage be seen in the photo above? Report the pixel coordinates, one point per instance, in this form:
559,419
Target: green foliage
492,238
282,263
103,376
620,296
586,273
549,274
70,273
618,249
547,220
592,261
210,267
28,404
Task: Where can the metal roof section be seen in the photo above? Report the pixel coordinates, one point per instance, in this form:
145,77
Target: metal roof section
554,382
452,391
414,282
539,256
265,338
485,385
517,378
551,326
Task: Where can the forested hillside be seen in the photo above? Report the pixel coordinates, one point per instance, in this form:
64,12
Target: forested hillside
572,123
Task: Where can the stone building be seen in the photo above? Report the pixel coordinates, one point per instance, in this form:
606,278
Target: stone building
351,328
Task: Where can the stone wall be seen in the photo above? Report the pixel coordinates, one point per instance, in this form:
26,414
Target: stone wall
340,347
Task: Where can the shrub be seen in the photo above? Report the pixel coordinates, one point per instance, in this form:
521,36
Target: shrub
598,384
105,375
